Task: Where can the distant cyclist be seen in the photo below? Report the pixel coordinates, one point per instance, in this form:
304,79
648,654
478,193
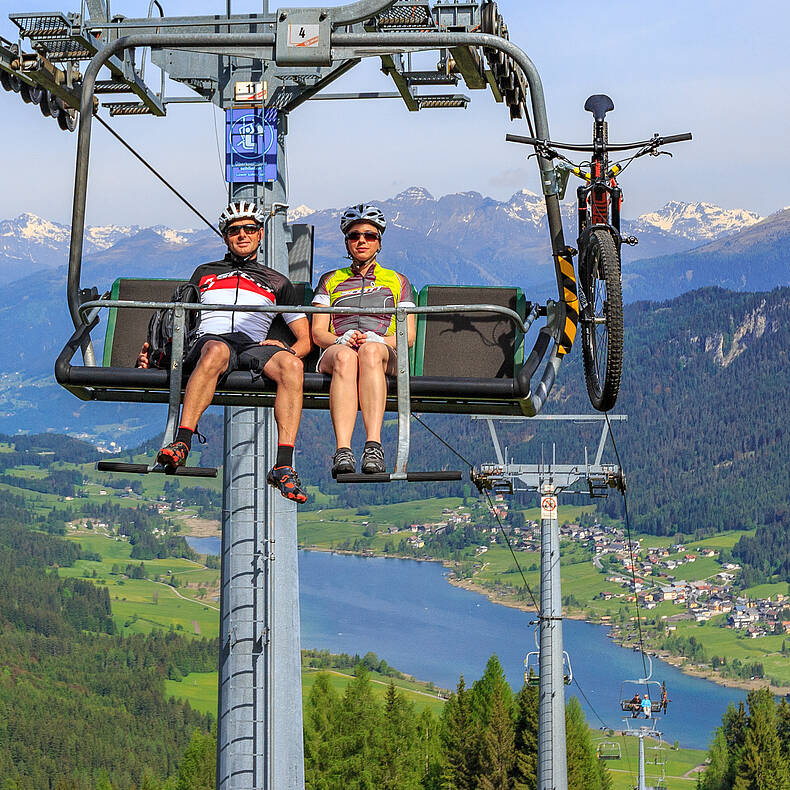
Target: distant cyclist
239,341
359,350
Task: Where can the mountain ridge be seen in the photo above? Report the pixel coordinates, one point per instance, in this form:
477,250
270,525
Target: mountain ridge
44,243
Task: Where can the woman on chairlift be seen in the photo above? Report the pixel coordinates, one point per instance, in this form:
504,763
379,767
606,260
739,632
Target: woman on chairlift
358,351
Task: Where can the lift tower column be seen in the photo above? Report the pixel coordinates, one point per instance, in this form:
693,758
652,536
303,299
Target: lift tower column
259,722
552,771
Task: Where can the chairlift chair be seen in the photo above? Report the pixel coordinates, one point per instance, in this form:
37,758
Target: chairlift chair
495,321
650,688
646,686
532,668
609,750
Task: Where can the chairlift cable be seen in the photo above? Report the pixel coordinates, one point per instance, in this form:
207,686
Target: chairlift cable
216,139
448,446
515,559
154,171
630,550
587,700
491,508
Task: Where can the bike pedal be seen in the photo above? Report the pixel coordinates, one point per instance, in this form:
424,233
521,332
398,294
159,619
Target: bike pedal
632,240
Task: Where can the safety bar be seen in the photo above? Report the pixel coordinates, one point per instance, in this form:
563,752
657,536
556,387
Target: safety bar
524,326
375,44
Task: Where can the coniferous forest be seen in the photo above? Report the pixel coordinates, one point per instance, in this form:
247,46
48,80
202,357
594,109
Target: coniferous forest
751,749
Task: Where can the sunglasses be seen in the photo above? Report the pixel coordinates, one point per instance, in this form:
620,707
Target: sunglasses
368,235
248,229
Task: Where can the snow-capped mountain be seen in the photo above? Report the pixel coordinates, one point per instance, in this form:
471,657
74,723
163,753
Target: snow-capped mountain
32,239
700,222
298,212
461,238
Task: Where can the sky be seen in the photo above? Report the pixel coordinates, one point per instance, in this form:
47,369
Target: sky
717,68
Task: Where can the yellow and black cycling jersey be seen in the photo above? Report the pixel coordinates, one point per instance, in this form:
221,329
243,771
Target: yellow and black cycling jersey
378,287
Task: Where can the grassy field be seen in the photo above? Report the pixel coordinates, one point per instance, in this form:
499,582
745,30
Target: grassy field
200,689
142,605
330,526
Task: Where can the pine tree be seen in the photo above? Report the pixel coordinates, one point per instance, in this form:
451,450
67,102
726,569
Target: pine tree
320,712
459,740
359,736
525,772
783,727
717,775
483,691
430,746
734,725
497,754
401,764
762,765
583,769
198,769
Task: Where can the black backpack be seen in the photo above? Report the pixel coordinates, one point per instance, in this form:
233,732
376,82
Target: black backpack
160,327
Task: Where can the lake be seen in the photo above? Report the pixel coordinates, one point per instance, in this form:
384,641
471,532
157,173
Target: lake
407,613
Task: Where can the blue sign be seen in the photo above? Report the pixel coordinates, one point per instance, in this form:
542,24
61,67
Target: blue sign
250,145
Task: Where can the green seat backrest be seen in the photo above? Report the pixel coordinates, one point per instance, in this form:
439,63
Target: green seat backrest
127,327
469,345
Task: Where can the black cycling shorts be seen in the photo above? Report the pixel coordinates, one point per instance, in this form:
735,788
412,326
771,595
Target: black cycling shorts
245,353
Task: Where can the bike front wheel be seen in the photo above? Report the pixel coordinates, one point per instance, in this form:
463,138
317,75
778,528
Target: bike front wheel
601,319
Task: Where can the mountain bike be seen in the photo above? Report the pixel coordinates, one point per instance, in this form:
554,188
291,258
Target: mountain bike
598,205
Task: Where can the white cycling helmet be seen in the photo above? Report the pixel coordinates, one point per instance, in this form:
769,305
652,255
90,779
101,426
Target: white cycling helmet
240,209
363,213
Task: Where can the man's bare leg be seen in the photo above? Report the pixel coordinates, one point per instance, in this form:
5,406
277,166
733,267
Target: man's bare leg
373,358
340,362
287,371
213,362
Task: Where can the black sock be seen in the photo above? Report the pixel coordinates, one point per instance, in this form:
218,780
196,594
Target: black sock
285,455
184,435
372,444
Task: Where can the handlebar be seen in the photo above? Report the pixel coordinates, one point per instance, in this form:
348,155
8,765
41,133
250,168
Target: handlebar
652,142
676,138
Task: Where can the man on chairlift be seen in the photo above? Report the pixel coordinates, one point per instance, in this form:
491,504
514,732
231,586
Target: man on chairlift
228,341
358,351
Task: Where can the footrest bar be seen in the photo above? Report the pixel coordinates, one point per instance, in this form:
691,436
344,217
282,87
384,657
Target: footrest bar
144,469
411,477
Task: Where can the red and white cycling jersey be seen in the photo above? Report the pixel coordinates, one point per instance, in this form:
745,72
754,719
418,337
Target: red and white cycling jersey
230,282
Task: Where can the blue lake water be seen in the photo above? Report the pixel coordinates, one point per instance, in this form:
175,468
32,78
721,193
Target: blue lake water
407,613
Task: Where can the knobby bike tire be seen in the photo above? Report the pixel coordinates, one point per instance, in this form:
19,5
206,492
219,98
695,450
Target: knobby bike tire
602,319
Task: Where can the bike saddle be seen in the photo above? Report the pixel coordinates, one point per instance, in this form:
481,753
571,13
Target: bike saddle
599,105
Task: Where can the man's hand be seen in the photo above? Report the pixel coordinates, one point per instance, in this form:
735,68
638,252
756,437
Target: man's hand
142,357
274,343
